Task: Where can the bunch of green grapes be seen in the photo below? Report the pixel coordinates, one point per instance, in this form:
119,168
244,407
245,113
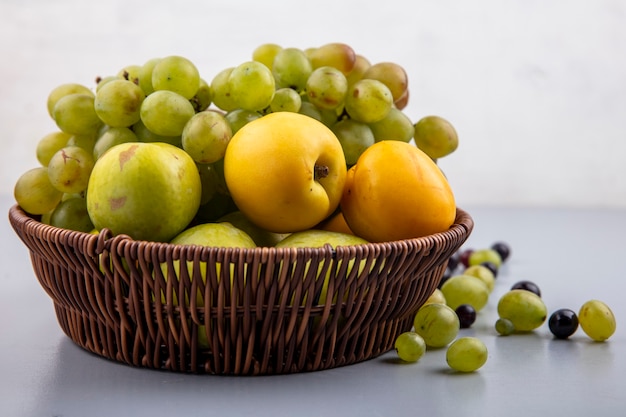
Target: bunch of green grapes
163,100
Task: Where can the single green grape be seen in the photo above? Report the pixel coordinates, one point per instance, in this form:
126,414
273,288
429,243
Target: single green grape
465,289
34,192
395,126
165,113
467,354
87,142
597,320
70,168
177,74
480,256
392,75
525,309
72,214
361,64
64,90
266,53
327,87
368,101
145,75
504,327
252,86
286,99
118,103
337,55
102,81
203,97
49,145
130,73
238,118
206,136
438,324
435,136
483,273
76,114
291,68
410,346
220,87
145,135
354,137
111,137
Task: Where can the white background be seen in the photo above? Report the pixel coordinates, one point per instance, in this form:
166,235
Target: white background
536,89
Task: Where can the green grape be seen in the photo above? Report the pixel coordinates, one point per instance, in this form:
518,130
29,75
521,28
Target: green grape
49,145
395,126
145,75
206,136
252,86
525,309
118,103
177,74
34,192
483,273
166,113
111,137
202,99
310,110
361,64
410,346
87,142
72,214
220,87
435,136
465,289
505,327
354,137
368,101
145,135
337,55
390,74
467,354
327,87
130,73
266,53
480,256
597,320
101,82
238,118
286,99
65,90
69,169
75,114
291,68
438,324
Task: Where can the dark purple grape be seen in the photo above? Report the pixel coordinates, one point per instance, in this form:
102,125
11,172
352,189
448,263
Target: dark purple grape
503,249
454,260
563,323
466,314
492,267
464,257
528,286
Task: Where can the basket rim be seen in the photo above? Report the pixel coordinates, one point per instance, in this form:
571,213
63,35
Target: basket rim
463,224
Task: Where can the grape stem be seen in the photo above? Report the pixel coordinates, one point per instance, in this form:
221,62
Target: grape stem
320,171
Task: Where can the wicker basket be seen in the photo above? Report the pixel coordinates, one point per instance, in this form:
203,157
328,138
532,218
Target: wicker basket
112,297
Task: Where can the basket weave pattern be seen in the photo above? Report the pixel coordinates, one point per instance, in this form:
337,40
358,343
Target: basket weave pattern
245,311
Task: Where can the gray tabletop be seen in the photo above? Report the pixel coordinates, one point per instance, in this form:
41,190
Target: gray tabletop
573,254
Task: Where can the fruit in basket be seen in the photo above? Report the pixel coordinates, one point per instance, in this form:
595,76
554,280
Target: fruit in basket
314,238
149,191
69,169
34,192
285,171
435,136
395,191
261,237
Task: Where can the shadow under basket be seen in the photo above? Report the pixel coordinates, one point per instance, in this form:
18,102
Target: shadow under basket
256,311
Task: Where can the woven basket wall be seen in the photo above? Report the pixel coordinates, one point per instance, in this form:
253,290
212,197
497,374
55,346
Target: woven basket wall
258,312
